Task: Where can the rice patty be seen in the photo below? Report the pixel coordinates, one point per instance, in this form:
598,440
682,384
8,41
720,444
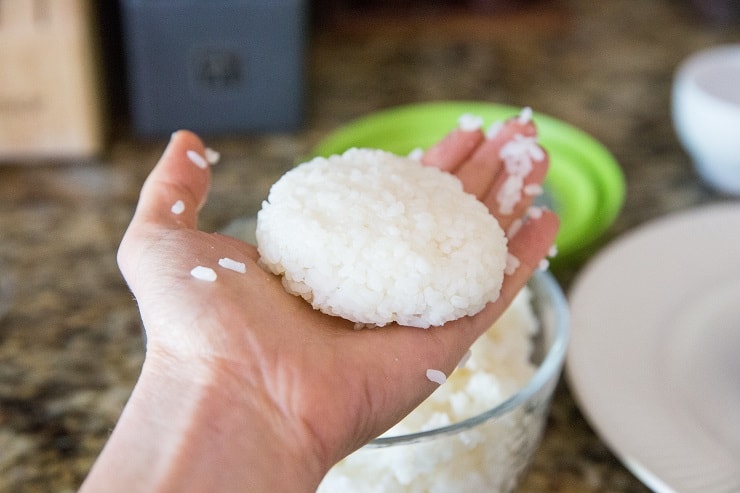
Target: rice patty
376,238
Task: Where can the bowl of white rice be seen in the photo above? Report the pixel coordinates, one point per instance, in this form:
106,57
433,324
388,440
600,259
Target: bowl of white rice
479,430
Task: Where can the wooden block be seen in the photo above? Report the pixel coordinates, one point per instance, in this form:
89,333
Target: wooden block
51,102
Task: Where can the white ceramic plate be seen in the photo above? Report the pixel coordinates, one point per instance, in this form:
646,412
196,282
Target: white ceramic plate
654,358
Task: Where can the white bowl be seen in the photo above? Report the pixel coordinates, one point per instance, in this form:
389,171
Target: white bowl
706,114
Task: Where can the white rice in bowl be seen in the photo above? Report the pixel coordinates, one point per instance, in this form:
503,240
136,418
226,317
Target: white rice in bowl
487,456
377,238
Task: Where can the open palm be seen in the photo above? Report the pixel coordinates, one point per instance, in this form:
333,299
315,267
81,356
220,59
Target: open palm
330,388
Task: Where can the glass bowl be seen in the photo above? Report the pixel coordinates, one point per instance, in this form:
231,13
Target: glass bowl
489,451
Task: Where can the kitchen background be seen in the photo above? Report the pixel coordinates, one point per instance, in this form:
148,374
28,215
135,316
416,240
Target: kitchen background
78,136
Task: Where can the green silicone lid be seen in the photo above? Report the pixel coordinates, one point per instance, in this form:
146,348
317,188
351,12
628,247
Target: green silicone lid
585,184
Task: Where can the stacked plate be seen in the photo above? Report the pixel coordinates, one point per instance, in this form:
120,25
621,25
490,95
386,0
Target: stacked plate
653,358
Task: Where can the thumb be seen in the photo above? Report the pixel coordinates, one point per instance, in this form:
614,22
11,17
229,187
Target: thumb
177,187
170,198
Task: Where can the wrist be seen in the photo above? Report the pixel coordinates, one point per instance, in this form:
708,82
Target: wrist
193,426
240,429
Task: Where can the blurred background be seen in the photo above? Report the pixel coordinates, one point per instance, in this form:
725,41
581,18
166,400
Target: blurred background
90,91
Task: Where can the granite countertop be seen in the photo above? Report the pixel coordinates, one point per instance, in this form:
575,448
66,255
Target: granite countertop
70,342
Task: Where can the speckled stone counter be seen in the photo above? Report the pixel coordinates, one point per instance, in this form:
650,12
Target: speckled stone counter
70,342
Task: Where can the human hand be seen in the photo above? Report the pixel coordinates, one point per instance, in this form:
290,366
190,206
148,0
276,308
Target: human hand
283,380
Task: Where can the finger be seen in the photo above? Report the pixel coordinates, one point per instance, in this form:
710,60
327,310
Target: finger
514,190
177,187
409,351
479,171
403,355
528,248
450,152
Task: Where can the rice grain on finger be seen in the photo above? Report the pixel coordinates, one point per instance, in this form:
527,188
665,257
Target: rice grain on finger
178,207
197,159
232,264
203,273
436,376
